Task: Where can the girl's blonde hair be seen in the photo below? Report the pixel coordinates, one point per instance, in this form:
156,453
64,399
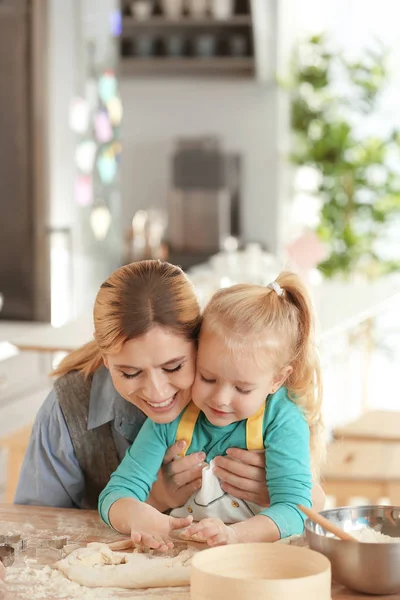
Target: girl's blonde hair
135,298
284,326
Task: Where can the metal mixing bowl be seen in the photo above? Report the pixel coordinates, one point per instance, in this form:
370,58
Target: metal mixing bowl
368,568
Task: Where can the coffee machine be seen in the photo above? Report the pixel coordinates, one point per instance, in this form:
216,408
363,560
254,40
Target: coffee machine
204,198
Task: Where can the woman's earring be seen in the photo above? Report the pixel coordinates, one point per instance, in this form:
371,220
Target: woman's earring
273,391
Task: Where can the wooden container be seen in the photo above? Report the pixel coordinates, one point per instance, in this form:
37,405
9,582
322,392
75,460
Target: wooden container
267,571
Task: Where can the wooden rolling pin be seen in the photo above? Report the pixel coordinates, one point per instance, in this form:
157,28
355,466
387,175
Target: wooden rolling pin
327,525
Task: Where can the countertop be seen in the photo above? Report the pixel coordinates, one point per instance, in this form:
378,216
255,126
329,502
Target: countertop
339,306
27,335
80,526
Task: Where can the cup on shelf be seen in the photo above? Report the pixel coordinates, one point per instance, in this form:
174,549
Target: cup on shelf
205,45
222,10
198,9
174,45
144,46
127,47
142,10
172,9
237,45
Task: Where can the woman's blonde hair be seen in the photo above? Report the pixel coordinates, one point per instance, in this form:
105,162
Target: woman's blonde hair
283,325
135,298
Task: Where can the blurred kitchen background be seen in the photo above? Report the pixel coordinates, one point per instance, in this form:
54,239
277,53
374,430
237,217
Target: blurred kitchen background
231,137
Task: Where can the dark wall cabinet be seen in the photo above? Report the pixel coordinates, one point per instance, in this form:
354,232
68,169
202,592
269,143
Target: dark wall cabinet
24,256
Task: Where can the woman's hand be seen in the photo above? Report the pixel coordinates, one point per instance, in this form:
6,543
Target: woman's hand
213,532
177,479
242,474
153,530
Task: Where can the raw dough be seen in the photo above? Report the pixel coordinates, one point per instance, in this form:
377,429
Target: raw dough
98,566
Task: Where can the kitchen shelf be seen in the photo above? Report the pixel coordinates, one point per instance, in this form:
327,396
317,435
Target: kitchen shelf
129,23
145,46
238,67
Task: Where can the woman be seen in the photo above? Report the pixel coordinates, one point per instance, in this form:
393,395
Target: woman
140,364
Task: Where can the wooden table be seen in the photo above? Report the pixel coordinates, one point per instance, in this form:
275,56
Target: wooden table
364,459
81,526
373,426
38,524
15,447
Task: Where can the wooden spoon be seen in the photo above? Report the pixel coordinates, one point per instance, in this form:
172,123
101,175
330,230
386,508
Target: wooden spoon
327,525
126,544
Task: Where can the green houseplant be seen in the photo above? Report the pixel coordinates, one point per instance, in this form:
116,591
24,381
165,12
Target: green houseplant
333,102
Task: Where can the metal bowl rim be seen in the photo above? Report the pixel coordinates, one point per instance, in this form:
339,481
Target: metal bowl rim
325,513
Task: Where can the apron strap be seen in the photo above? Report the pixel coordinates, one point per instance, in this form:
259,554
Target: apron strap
186,426
254,430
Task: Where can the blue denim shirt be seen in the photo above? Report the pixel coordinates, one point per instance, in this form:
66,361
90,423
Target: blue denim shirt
50,474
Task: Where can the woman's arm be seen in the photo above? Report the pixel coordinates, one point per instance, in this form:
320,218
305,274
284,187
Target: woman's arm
50,474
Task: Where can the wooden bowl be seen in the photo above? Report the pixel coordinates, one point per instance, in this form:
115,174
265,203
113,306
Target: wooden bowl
267,571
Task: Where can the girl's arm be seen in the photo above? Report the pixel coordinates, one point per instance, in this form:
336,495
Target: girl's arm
288,466
215,532
145,524
122,504
288,472
137,472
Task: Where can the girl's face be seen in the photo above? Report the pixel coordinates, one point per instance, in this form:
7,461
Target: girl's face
230,388
155,372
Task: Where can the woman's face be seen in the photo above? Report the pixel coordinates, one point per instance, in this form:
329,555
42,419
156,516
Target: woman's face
155,372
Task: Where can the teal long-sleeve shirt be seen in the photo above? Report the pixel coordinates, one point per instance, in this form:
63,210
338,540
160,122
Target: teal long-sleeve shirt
287,455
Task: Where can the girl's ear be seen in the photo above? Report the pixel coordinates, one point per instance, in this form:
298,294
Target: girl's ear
282,376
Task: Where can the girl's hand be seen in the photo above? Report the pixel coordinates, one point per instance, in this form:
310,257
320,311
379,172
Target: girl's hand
177,479
154,532
214,532
242,474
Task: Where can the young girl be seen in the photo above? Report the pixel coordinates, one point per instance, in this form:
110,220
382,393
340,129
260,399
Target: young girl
256,387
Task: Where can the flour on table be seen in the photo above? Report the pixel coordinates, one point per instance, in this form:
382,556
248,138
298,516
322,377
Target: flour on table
98,566
45,583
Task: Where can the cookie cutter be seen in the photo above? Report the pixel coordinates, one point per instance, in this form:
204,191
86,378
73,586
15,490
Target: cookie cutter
12,539
7,554
57,543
